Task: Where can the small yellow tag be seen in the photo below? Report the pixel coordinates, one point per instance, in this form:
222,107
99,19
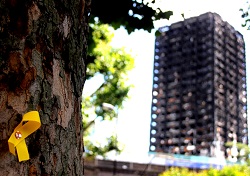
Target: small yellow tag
30,123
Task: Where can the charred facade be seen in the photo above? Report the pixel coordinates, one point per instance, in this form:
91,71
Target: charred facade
199,87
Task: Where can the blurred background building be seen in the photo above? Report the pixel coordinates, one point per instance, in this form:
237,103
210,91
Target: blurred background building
106,168
199,89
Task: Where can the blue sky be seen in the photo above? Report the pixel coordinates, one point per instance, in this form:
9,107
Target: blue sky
134,120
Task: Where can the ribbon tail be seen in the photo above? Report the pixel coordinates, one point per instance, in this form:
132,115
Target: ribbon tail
22,151
12,148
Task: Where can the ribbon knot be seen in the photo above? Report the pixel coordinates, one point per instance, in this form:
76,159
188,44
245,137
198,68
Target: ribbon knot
29,124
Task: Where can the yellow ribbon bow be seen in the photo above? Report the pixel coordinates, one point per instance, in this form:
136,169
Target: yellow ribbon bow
30,123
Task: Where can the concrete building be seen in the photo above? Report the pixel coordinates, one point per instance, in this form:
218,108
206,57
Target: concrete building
99,167
199,88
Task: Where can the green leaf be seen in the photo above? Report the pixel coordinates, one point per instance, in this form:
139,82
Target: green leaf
114,64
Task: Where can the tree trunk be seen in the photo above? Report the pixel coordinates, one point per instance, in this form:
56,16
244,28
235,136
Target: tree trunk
42,55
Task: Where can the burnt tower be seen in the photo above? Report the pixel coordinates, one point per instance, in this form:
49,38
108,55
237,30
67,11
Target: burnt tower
199,87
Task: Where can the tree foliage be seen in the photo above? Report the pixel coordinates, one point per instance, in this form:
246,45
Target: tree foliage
177,172
245,15
241,147
132,14
113,64
94,149
235,170
110,62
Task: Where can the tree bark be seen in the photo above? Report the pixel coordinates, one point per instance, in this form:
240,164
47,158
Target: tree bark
42,56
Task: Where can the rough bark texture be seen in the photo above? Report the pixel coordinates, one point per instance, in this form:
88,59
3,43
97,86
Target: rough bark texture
42,54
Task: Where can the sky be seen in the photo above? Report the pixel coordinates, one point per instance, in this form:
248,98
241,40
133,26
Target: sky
133,124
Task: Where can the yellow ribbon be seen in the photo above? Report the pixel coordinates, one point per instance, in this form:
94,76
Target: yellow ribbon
30,123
